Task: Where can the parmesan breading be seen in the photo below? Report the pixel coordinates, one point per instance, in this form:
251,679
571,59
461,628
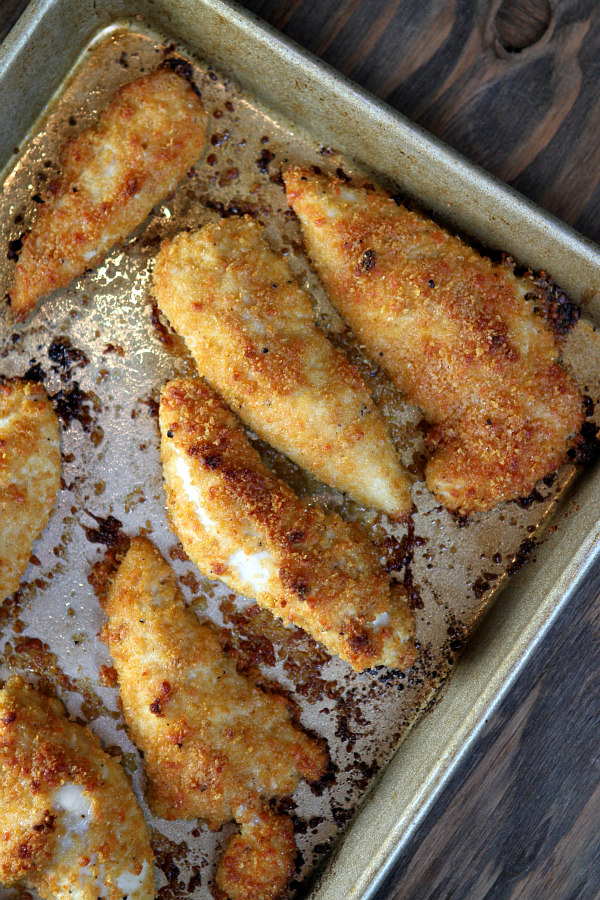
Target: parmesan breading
215,746
453,330
70,824
241,524
112,175
252,331
30,470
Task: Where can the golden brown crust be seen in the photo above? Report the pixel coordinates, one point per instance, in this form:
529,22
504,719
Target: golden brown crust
152,132
258,863
69,820
253,334
30,469
214,744
455,333
238,522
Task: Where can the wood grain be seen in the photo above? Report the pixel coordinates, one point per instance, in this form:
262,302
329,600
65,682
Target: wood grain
514,86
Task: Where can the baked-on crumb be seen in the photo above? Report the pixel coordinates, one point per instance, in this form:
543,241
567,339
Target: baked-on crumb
70,824
30,469
454,332
241,524
253,334
215,746
112,174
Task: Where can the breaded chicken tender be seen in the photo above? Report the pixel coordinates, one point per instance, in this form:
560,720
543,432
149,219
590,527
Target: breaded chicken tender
112,175
253,334
70,824
215,746
455,333
30,470
241,524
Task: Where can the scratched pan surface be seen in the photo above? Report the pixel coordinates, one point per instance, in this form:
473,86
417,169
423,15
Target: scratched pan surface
103,353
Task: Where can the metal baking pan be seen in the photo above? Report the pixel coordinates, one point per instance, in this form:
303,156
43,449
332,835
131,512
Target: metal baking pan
60,65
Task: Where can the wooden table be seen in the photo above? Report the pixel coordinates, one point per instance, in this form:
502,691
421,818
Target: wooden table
515,86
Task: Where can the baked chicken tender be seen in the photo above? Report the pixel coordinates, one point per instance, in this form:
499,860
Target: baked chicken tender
70,824
215,746
241,524
151,133
30,470
253,335
455,333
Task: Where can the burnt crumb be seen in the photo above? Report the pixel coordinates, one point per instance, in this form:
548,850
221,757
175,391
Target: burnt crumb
37,198
342,175
457,638
46,824
114,348
162,330
65,356
233,208
262,163
183,68
461,521
588,406
9,718
152,404
123,60
561,313
327,151
14,248
219,138
71,403
194,882
526,502
340,815
522,555
108,676
549,479
108,532
483,584
229,175
72,121
586,445
366,263
156,709
35,373
397,555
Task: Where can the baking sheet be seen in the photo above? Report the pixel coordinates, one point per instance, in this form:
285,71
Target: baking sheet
102,350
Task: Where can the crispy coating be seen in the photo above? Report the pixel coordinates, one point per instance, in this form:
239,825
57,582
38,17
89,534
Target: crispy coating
70,825
30,469
258,863
254,337
241,524
215,746
454,332
112,175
